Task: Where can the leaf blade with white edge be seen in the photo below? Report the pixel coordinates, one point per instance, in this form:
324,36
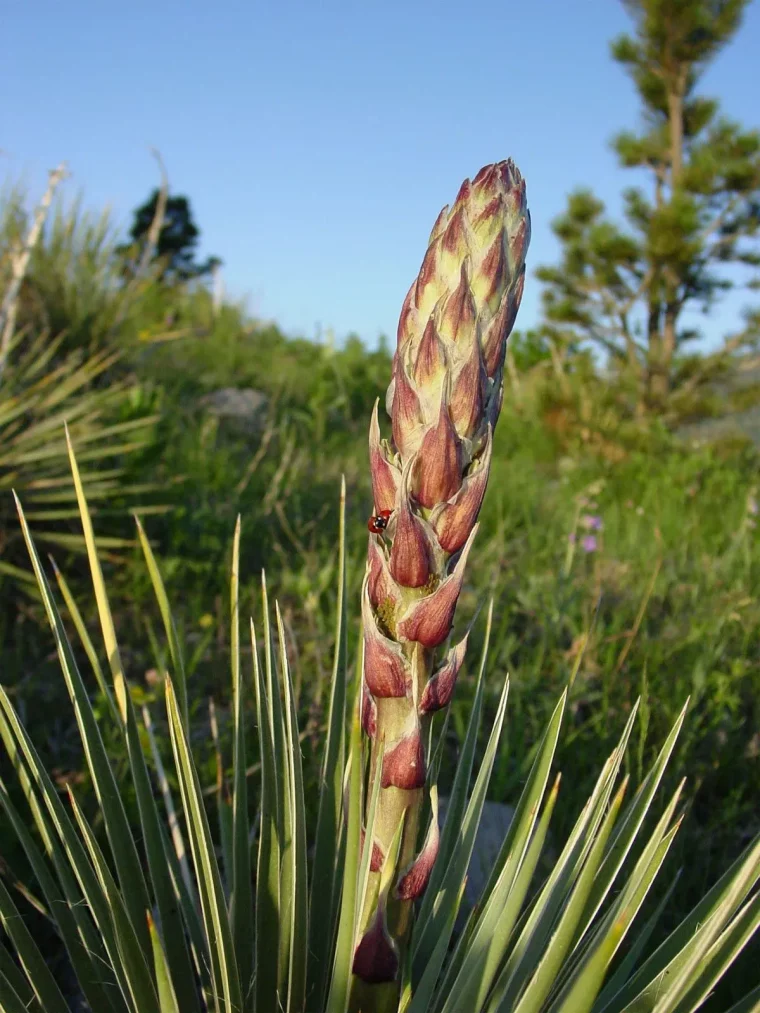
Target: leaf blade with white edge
86,640
53,822
532,794
167,997
500,914
159,589
744,874
282,790
456,870
119,835
498,910
324,886
299,922
616,922
34,964
366,853
119,832
630,823
719,958
177,952
241,893
625,970
227,992
452,823
75,926
137,971
545,974
10,1001
686,967
580,991
541,915
268,863
340,981
18,982
422,1000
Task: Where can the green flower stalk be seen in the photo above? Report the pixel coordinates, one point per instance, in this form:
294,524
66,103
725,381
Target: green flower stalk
428,486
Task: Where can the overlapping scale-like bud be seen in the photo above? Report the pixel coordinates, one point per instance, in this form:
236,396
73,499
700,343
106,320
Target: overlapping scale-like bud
428,485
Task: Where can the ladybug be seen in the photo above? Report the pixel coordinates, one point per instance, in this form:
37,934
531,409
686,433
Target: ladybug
379,522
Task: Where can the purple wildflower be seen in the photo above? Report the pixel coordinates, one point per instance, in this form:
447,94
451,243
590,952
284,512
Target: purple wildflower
589,543
591,522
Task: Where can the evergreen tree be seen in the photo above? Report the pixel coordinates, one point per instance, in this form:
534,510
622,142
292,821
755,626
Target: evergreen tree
627,288
177,239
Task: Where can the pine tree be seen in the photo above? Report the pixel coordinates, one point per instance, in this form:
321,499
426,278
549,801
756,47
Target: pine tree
627,288
176,243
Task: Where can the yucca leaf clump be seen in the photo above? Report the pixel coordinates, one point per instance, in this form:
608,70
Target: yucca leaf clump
244,908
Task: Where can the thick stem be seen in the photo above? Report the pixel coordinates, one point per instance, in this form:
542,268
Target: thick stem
394,717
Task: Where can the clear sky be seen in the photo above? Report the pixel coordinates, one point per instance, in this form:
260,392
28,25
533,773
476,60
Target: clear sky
317,141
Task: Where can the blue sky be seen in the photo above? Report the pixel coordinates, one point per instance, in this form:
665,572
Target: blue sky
318,141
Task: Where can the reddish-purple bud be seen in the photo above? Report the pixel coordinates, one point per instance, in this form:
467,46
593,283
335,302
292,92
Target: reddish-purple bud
502,175
406,416
413,882
410,561
376,959
429,620
377,858
491,213
385,670
479,181
404,764
493,270
427,273
468,394
439,462
440,223
380,585
494,338
487,178
407,312
464,192
453,521
453,239
459,317
431,358
385,477
439,690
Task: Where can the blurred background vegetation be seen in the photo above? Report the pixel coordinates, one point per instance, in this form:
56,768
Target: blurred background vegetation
621,519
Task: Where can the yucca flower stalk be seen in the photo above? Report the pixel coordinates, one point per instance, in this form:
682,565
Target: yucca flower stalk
428,485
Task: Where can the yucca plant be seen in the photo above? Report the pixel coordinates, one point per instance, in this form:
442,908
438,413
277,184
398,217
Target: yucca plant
44,382
175,916
37,395
72,282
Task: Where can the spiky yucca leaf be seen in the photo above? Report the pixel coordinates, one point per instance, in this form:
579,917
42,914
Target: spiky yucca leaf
36,397
188,933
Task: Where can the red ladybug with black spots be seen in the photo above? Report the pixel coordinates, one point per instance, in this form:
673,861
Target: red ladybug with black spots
379,522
